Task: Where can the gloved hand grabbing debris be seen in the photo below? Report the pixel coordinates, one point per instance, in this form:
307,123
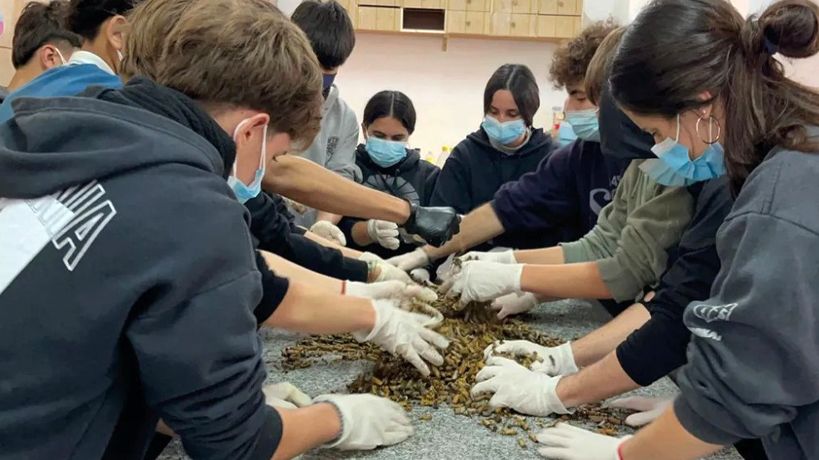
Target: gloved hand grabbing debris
368,421
403,333
399,291
518,388
567,442
385,270
481,281
551,361
648,409
514,304
411,260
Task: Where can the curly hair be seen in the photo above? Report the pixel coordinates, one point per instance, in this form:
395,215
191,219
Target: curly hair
572,59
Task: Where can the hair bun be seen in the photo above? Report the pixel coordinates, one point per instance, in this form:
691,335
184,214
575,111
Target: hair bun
791,28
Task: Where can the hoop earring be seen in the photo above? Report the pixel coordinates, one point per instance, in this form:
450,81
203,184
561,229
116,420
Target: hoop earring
711,122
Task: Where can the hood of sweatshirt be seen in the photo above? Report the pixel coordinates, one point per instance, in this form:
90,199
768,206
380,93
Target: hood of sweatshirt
52,144
619,136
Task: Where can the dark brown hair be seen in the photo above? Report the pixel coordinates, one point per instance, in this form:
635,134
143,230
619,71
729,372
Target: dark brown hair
329,29
393,104
86,16
597,75
571,60
520,81
231,53
40,24
675,50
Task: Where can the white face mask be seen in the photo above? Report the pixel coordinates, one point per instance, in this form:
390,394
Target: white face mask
62,59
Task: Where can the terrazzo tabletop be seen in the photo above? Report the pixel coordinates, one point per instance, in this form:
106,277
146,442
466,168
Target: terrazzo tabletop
446,435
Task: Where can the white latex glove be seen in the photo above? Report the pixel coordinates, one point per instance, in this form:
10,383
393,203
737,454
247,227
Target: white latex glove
557,360
482,281
514,304
368,421
402,293
566,442
285,395
386,271
518,388
500,257
328,231
402,333
648,409
411,260
420,275
384,233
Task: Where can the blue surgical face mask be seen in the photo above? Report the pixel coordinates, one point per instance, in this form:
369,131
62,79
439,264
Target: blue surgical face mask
386,153
674,166
503,133
566,134
584,124
244,192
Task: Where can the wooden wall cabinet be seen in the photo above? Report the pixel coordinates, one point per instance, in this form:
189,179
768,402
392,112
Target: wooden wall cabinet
521,19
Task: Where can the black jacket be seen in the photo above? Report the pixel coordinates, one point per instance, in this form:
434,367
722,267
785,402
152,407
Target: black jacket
412,179
659,346
132,288
475,171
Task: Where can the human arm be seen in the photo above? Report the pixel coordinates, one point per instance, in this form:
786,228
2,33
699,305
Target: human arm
601,380
605,339
630,248
345,251
666,438
306,428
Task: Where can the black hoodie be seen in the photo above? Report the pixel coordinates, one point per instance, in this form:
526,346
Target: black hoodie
475,171
411,179
127,286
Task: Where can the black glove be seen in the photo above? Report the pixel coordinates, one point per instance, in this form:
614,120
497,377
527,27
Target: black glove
435,225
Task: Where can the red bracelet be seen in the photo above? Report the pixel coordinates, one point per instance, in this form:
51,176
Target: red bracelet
344,287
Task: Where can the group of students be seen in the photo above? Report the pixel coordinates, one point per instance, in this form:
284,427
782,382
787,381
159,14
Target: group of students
149,228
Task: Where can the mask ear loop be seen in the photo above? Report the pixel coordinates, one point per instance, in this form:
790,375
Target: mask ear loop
677,140
62,59
711,122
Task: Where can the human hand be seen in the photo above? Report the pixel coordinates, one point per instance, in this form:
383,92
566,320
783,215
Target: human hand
328,231
518,388
368,421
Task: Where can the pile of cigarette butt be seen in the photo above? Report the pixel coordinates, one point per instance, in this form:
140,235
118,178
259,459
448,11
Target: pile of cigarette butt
471,329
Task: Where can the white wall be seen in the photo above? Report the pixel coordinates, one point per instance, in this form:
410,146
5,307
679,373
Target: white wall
446,87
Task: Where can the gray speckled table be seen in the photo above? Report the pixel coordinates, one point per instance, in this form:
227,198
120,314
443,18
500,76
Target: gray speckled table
446,436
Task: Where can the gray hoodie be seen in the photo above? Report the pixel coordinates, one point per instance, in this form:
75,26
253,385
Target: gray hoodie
334,146
127,288
753,362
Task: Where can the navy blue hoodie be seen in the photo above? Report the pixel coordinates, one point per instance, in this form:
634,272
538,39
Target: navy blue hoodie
563,196
128,290
475,171
412,179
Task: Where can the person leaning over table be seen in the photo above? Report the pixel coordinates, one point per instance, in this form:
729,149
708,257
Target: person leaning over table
622,256
163,345
752,361
564,195
504,148
648,340
387,164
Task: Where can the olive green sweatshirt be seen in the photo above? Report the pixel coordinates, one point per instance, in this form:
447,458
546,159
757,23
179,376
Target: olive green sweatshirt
633,233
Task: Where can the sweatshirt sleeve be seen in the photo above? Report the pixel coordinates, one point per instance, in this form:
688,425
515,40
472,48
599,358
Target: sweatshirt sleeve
342,161
753,361
630,248
453,187
274,235
274,288
432,173
201,368
541,199
658,347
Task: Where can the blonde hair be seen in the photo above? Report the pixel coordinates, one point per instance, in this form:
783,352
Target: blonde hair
229,53
597,74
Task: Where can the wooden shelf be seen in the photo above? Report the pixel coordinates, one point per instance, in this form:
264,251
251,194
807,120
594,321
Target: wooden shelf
531,20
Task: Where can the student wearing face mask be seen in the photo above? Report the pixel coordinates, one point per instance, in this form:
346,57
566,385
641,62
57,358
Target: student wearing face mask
331,34
41,41
752,360
102,26
620,258
390,166
503,149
